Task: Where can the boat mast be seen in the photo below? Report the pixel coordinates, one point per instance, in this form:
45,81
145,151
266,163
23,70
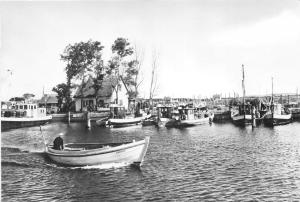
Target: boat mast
244,92
272,100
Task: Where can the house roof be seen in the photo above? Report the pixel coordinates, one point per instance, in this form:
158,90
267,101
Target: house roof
49,98
89,91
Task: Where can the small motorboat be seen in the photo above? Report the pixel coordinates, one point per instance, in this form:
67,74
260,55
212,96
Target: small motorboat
190,122
189,116
87,154
118,118
124,122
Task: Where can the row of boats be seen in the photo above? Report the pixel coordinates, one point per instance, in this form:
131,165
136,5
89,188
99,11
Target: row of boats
271,114
187,116
167,115
249,115
170,116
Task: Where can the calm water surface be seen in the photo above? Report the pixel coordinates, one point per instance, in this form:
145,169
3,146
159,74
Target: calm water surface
220,162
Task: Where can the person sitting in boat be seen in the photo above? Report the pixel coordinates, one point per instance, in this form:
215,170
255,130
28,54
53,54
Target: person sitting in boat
58,143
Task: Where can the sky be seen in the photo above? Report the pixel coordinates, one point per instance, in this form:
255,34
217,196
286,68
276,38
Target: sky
200,45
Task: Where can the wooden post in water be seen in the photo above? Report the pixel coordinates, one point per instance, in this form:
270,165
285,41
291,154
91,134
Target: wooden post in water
253,116
88,119
69,117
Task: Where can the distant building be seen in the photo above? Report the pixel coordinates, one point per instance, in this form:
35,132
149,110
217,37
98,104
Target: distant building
50,101
86,100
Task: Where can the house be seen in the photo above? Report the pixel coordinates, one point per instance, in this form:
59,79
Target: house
50,101
85,99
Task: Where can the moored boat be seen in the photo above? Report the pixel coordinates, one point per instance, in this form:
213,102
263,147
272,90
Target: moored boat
124,122
87,154
189,116
23,115
294,108
118,118
243,116
221,113
164,114
277,116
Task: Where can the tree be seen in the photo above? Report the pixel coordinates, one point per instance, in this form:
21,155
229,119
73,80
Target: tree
116,66
28,96
153,85
98,79
62,95
132,77
82,59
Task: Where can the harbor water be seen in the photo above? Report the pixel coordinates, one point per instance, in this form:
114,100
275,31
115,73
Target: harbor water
217,162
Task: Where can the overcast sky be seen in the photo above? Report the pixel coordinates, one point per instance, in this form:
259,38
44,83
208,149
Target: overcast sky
201,45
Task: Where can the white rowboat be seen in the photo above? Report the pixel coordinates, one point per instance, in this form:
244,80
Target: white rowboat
87,154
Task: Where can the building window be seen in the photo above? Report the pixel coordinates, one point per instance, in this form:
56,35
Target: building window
25,106
21,106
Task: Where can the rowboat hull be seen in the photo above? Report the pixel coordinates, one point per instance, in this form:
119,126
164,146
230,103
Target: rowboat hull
131,153
277,119
13,122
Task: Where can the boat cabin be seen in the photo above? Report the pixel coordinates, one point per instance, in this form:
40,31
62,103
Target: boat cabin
24,110
117,111
164,111
279,109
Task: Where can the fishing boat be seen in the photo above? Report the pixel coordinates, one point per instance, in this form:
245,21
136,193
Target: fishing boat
189,116
243,116
221,113
294,108
164,114
277,114
88,154
23,115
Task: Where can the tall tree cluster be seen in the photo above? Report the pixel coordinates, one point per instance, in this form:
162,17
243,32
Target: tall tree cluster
84,60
